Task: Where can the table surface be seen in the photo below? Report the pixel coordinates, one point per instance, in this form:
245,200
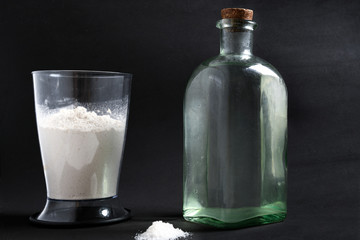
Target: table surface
323,203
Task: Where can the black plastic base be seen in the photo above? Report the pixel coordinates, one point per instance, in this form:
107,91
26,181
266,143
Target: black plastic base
81,212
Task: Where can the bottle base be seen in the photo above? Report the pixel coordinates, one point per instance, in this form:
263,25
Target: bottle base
234,218
81,212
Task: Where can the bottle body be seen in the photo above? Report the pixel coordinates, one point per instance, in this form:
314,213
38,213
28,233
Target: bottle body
235,134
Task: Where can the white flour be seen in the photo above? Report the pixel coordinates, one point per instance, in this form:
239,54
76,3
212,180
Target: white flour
81,153
160,230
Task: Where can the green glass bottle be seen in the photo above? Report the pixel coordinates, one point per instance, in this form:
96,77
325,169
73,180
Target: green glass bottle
235,134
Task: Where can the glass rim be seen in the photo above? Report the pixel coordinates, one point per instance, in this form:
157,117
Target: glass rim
81,73
237,23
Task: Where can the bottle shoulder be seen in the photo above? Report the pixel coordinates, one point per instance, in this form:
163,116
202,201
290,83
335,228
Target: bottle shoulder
244,61
236,68
248,63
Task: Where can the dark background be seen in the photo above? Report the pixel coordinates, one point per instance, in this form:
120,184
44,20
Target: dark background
315,45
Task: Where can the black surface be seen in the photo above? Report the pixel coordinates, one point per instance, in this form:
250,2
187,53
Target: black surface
315,45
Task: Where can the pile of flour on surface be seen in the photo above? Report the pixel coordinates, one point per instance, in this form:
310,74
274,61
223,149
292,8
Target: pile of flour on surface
160,230
81,153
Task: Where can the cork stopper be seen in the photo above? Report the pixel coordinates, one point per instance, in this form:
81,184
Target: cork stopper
240,13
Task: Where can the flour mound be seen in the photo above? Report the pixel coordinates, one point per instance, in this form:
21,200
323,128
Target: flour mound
160,230
81,120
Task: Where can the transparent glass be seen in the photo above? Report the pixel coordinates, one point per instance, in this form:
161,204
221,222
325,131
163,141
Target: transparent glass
82,121
235,136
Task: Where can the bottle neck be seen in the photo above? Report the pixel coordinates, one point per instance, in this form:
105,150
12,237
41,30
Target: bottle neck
236,37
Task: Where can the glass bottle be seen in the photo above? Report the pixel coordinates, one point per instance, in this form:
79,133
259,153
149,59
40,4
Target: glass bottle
235,134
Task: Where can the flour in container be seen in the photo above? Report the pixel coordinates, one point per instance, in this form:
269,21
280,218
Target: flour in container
81,153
